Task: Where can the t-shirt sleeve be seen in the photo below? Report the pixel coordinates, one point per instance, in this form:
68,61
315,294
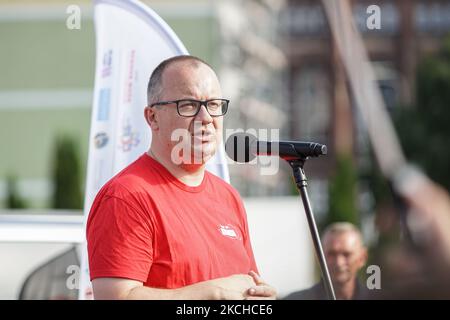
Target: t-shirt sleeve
119,241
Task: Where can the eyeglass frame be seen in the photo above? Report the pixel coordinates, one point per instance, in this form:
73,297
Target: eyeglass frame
202,103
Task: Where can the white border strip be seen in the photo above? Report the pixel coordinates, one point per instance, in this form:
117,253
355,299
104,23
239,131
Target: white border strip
48,12
62,227
43,99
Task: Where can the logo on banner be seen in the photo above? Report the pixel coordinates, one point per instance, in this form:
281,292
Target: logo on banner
129,138
104,102
107,64
229,231
130,78
100,140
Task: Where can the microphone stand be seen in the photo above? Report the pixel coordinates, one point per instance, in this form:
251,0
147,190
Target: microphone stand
300,180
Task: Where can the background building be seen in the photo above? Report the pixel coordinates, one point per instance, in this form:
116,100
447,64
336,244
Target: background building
321,106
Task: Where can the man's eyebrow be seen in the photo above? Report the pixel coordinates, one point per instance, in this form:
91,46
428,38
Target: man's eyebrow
187,97
190,98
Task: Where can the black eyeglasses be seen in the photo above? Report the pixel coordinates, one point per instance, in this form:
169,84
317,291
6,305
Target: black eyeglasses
191,107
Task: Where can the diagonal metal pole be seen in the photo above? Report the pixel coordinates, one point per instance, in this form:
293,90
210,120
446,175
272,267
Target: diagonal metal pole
301,182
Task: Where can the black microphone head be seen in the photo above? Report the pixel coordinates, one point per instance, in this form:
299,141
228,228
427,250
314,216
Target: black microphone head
291,150
319,149
238,147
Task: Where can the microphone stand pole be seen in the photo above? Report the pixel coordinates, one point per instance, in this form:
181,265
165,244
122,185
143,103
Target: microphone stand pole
300,180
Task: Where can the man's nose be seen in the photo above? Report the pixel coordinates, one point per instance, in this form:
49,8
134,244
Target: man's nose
203,115
340,260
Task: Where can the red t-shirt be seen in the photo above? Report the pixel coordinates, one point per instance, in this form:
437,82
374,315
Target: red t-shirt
146,225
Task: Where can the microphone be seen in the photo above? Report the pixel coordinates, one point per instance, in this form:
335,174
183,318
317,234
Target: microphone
243,147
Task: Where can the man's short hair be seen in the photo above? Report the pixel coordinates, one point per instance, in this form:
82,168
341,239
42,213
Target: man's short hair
154,89
338,228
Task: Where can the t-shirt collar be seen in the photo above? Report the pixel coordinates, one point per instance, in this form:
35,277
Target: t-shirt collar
171,178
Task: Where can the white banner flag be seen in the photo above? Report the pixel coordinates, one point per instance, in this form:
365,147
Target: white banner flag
131,40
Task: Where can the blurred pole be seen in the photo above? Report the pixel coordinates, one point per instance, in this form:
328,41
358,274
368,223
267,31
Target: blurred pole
301,182
363,84
370,103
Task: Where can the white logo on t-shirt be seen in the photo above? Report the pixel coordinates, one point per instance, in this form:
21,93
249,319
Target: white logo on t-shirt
228,231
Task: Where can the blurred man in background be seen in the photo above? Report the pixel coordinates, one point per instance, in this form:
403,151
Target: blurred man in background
346,255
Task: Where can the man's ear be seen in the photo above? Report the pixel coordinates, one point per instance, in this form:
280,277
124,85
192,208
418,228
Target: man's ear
151,118
363,257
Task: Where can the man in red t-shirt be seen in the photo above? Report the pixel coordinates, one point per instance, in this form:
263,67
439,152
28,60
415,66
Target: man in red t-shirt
164,227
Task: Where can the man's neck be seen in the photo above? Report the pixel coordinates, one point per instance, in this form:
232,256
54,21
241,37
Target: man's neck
189,175
346,290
